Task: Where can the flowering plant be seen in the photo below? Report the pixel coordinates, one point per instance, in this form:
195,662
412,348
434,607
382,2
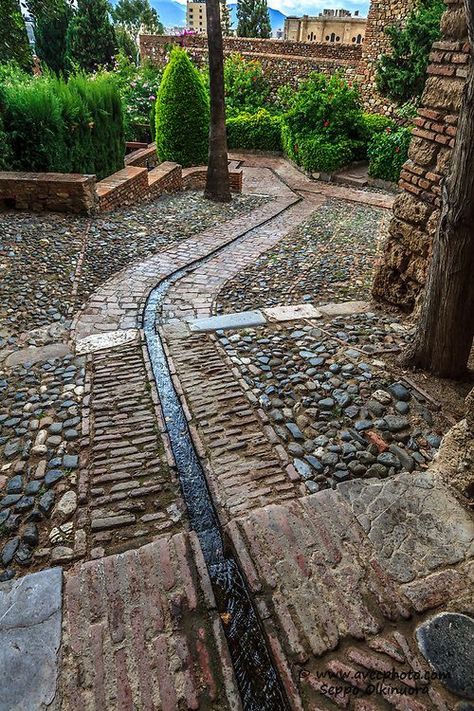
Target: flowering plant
138,88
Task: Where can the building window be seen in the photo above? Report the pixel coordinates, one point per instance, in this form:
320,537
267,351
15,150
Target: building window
327,38
359,39
333,36
353,39
338,39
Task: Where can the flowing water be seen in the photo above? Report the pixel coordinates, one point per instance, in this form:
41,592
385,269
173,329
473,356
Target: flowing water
257,680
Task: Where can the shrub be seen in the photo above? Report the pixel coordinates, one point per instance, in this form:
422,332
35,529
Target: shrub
369,125
58,126
325,106
401,73
317,155
138,88
387,152
182,112
260,131
246,88
90,39
5,147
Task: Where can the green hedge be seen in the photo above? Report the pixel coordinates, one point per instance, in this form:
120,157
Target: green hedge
318,155
260,131
57,126
387,152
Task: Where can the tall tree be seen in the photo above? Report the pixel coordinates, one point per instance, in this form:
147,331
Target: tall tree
91,40
226,20
445,330
51,23
14,44
217,179
253,19
137,15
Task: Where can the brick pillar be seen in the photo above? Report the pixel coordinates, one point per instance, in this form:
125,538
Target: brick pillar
402,274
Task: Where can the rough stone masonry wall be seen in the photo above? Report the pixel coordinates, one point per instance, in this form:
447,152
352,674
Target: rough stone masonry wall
282,61
382,13
402,274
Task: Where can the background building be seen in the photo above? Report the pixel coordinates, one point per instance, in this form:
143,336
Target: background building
196,16
330,26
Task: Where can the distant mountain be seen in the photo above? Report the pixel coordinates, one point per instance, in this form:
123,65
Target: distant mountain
173,14
277,18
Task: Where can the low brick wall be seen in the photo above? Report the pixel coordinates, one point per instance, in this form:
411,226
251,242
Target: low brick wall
127,186
283,61
195,179
165,178
143,157
56,192
403,271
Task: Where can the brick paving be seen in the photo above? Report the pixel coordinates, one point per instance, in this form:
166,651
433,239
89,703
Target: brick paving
245,470
128,486
329,604
141,631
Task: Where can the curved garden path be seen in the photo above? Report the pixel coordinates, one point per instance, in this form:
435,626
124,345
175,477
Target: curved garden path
327,570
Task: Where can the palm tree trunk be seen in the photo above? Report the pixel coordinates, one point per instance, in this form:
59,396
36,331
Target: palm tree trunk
444,334
217,180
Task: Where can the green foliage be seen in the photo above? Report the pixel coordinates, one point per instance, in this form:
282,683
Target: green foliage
408,111
90,40
401,74
5,146
321,131
253,19
51,24
126,44
132,15
387,152
14,45
285,98
138,88
182,112
246,88
260,131
59,126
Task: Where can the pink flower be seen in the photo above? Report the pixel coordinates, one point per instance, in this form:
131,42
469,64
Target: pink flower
152,98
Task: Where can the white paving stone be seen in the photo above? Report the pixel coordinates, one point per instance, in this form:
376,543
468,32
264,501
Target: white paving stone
292,312
239,319
102,341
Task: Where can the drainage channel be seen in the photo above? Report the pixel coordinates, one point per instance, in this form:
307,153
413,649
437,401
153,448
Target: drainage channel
256,676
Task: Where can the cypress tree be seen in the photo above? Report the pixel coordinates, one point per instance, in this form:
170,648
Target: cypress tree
253,19
90,40
51,25
14,45
182,112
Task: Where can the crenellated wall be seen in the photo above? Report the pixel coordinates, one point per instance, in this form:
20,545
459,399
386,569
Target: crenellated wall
402,273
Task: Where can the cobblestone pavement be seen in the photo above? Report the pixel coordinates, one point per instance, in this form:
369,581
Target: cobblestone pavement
341,578
51,263
329,257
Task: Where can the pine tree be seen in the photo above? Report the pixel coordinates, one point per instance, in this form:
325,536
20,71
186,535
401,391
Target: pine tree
134,15
91,40
14,45
253,19
51,25
226,20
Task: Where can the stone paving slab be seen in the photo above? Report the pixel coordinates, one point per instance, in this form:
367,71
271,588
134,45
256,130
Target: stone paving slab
291,313
141,631
414,523
239,319
30,634
101,341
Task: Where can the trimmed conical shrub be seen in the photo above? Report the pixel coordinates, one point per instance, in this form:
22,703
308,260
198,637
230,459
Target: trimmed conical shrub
182,113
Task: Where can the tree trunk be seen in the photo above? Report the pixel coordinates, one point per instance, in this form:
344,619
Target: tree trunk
444,334
217,180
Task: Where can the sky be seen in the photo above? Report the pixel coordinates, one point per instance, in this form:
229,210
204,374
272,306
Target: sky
309,7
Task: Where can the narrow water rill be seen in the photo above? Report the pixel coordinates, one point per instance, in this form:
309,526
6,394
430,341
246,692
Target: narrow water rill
258,682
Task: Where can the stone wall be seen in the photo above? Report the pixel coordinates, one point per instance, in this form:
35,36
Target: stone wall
58,192
144,157
282,61
402,274
382,13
